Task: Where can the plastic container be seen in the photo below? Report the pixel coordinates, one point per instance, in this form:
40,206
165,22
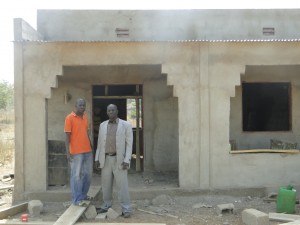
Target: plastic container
286,200
24,217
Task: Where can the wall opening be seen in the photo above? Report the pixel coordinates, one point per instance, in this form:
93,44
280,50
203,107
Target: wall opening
266,106
128,99
264,110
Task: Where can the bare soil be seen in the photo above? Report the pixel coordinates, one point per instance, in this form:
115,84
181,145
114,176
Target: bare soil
178,209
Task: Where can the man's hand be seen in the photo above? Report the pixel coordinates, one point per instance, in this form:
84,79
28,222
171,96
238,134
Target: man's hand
97,165
69,156
125,166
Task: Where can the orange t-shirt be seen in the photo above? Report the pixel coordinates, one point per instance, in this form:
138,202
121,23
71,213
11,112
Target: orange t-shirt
78,127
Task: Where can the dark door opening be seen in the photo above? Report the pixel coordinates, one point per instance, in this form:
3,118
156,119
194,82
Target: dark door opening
128,99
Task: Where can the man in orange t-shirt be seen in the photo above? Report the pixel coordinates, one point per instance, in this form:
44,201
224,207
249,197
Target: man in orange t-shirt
79,152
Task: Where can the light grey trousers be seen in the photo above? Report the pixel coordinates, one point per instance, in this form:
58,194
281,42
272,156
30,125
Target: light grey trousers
110,171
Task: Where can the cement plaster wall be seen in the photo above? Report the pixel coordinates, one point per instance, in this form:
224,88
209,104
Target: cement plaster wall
160,117
165,25
204,76
244,170
261,140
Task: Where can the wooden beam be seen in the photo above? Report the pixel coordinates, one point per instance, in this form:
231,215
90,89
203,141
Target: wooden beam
120,223
6,187
137,136
290,151
13,210
72,214
282,217
296,222
9,222
118,97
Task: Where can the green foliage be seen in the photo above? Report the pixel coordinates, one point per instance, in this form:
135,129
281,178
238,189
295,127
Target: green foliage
131,109
6,94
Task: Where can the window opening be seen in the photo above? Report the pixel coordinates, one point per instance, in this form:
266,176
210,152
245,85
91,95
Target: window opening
266,106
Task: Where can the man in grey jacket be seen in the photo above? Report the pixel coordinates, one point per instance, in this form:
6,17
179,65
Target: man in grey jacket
113,156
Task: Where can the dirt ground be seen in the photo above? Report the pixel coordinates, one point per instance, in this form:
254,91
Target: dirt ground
180,208
168,204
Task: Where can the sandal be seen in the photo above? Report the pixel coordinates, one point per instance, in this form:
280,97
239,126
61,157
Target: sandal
89,198
81,203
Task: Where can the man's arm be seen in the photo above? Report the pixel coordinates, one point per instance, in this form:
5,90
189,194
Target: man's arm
129,140
89,139
67,143
97,164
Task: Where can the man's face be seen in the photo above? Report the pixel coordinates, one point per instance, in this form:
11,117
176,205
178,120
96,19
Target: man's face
112,112
80,107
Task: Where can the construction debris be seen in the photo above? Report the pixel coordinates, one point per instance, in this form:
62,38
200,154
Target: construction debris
35,207
254,217
13,210
159,214
225,208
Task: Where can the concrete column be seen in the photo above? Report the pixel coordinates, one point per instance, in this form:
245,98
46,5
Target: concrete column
204,118
35,151
19,126
184,76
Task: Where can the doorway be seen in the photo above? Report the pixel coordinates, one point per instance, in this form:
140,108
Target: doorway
129,100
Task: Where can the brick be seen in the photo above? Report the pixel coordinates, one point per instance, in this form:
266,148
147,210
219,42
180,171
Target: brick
35,207
225,207
90,212
254,217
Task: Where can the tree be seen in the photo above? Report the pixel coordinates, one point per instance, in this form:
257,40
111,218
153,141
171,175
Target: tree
6,94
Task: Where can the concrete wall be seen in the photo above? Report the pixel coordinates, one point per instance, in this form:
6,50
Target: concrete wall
158,102
261,140
245,170
165,25
204,77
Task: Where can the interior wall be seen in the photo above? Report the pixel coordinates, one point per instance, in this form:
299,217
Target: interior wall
261,140
159,108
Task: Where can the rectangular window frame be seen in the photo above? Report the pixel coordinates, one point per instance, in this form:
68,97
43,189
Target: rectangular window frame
290,125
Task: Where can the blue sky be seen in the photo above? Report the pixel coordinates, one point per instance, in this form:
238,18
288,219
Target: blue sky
27,11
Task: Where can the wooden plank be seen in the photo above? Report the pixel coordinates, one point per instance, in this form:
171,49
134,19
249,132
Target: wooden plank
120,223
72,214
264,151
93,191
282,217
137,134
6,187
297,222
13,210
9,222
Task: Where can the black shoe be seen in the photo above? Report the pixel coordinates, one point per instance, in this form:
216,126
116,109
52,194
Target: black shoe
100,210
126,214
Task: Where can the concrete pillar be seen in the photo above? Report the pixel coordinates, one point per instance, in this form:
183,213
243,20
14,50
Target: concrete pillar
204,119
184,76
19,125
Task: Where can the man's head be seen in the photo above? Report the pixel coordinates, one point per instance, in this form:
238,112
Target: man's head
97,110
112,112
79,106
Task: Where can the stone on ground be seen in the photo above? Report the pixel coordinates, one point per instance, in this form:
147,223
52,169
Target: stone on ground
254,217
35,207
90,212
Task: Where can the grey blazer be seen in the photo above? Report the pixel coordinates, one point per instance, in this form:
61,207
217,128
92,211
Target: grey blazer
124,138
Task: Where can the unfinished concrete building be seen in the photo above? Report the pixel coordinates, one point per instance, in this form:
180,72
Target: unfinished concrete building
216,92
